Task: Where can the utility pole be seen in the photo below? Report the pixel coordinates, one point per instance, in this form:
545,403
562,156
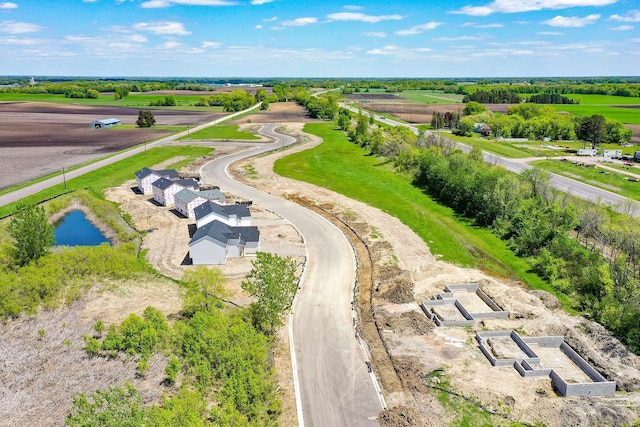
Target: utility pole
64,179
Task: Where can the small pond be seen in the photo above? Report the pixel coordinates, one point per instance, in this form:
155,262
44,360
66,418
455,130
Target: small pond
74,229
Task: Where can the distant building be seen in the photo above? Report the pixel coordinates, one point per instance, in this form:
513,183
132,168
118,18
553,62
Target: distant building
233,215
105,123
187,200
214,242
145,177
164,190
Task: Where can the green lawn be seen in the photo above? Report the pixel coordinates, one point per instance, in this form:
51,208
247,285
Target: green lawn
607,180
346,168
430,97
221,132
117,173
625,115
134,100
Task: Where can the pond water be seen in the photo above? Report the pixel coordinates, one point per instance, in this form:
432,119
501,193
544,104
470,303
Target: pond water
75,230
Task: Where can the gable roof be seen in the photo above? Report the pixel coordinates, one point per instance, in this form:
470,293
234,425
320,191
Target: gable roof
167,173
227,211
186,195
222,233
164,183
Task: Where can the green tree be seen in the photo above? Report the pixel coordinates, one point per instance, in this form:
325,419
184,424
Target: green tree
116,407
145,119
205,289
32,234
272,280
592,129
473,107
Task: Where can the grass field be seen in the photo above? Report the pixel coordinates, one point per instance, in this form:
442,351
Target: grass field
606,105
184,102
117,173
430,97
346,168
221,132
598,177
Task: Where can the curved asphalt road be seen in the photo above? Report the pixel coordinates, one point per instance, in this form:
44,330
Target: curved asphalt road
334,386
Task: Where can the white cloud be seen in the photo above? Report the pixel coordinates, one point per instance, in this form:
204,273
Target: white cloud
476,25
275,18
8,5
300,22
623,28
571,21
21,41
163,28
515,6
377,34
455,39
258,27
632,16
419,28
137,38
353,7
13,27
211,45
155,4
353,16
171,45
400,52
258,2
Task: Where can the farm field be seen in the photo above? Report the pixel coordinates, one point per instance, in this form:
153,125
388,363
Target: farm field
38,139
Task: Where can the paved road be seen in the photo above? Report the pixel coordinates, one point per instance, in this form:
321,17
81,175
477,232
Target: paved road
56,180
333,383
568,185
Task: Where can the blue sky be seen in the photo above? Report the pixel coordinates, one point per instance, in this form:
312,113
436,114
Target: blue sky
323,38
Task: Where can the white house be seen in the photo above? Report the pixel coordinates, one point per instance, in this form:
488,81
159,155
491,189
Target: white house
145,177
187,200
214,242
164,190
234,215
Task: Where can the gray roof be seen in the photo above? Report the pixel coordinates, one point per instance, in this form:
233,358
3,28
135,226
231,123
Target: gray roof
186,195
168,173
223,233
164,183
227,211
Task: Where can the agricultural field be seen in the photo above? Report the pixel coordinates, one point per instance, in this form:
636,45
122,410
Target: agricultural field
38,139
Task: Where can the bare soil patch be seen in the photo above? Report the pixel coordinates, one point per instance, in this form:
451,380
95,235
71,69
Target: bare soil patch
44,365
280,112
37,138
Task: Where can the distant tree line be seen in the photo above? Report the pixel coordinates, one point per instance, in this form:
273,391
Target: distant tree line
494,96
535,122
236,100
550,98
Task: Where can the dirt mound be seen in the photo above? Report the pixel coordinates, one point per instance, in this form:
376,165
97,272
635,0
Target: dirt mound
400,416
410,323
400,291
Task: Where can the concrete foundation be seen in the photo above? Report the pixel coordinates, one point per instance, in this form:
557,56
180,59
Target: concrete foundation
545,357
469,304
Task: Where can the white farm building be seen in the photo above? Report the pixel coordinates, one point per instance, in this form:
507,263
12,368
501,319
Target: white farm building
105,123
